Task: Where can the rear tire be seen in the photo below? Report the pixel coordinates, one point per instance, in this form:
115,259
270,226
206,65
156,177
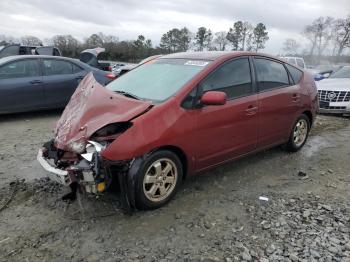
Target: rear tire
299,134
158,179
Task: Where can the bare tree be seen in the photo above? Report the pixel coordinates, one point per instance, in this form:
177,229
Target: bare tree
341,35
319,33
68,45
30,40
291,46
220,40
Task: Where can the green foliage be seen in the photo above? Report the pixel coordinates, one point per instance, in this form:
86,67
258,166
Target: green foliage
176,40
243,36
203,39
260,36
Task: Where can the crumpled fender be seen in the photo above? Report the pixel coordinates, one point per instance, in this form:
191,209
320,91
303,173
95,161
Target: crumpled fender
92,107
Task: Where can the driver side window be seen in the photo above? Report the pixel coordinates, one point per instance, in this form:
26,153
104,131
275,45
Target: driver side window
233,78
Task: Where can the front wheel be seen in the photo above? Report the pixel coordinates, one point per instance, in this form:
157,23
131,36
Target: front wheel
158,179
299,134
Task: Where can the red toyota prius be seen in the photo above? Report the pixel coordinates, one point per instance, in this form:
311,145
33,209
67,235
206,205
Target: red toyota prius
175,116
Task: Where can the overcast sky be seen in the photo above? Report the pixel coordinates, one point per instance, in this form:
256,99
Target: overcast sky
129,18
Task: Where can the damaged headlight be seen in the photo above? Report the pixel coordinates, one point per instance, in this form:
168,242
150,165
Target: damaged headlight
77,146
91,148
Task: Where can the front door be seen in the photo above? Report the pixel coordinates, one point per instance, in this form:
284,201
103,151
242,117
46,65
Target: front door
21,87
227,131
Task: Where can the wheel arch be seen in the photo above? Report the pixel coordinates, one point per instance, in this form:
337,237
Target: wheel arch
309,115
180,153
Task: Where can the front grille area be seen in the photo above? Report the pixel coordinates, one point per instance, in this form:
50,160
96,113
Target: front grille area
334,107
334,96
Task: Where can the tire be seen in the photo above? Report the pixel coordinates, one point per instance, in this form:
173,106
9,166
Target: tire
158,179
295,143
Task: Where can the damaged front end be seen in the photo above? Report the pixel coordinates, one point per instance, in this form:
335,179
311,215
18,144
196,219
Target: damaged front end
93,119
70,169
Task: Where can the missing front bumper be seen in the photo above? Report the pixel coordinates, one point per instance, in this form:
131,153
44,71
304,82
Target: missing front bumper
93,176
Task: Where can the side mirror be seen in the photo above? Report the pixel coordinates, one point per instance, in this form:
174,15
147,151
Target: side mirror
213,98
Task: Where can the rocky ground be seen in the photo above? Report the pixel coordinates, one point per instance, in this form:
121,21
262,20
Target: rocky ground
216,216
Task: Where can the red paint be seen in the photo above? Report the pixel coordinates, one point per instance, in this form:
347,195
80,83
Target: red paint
214,98
208,135
91,107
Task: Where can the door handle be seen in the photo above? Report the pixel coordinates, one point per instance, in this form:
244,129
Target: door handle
295,97
251,110
79,77
34,82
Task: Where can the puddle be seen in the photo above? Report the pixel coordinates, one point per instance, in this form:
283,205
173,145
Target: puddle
314,145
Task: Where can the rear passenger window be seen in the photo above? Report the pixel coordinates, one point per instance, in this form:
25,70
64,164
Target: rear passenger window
295,73
57,67
19,69
232,77
270,74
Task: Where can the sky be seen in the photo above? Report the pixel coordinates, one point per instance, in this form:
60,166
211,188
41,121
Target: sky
127,19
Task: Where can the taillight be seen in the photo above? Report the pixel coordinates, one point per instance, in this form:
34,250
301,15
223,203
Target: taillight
111,76
109,68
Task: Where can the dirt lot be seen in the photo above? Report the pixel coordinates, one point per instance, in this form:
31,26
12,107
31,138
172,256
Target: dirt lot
216,216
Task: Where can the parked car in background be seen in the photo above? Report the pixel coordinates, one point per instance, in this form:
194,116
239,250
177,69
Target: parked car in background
334,92
106,65
321,72
121,70
17,49
296,61
176,116
35,82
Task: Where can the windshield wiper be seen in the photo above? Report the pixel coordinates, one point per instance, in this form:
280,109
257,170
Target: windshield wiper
127,94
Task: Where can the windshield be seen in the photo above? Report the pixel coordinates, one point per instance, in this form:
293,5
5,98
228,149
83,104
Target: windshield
159,79
341,73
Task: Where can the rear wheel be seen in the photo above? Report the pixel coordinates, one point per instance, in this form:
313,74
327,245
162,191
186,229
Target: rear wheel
158,179
299,134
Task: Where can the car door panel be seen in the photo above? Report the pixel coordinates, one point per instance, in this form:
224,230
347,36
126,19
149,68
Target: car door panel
225,132
229,130
22,91
59,84
277,113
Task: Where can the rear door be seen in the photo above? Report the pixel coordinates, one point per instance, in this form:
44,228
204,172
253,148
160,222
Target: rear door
21,86
61,78
279,101
227,131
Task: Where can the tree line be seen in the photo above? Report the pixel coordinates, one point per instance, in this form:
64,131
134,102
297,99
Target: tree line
325,36
242,36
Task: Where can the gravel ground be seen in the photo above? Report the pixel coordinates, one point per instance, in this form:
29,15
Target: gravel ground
216,216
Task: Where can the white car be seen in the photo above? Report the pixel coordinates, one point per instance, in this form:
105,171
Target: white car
297,61
334,92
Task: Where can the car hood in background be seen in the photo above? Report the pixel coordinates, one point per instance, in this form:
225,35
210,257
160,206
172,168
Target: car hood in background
336,84
92,107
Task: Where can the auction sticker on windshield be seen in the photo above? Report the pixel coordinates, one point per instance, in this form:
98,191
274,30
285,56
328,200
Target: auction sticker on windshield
196,63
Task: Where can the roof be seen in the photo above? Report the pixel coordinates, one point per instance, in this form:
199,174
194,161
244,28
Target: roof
207,55
15,57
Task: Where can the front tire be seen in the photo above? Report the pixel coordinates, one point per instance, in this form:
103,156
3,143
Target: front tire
299,134
158,179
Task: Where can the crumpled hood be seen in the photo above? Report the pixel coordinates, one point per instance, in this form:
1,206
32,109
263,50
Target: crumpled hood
92,107
335,84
